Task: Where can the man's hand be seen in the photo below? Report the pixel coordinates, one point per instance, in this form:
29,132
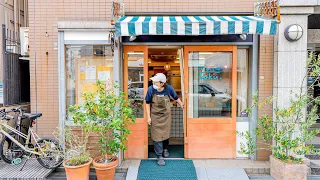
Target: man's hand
149,121
182,106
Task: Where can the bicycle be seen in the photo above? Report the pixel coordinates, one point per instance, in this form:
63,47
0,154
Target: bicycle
17,141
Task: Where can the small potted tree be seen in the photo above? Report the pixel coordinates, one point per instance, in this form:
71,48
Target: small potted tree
288,130
77,159
107,114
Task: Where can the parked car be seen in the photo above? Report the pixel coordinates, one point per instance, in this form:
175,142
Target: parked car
211,102
135,90
206,90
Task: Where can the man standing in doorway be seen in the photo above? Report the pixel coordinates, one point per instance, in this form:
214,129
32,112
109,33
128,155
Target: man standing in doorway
159,114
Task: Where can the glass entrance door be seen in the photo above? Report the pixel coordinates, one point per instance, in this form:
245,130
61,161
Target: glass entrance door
135,86
210,98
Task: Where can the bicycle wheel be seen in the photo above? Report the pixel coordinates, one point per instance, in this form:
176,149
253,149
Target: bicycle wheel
50,153
9,150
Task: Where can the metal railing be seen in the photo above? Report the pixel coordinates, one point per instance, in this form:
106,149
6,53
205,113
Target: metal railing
16,75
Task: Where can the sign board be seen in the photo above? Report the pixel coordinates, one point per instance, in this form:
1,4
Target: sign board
117,9
268,8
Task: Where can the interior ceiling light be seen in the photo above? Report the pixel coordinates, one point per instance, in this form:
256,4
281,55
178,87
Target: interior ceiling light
167,67
134,53
205,53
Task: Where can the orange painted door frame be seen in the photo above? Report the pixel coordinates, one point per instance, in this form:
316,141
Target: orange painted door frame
138,139
210,137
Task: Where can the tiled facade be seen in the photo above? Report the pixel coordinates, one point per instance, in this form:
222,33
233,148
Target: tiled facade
265,80
45,14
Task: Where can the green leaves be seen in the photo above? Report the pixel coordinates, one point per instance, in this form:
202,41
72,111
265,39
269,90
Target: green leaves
106,113
289,128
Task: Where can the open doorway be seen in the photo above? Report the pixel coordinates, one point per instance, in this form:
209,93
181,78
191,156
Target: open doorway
168,60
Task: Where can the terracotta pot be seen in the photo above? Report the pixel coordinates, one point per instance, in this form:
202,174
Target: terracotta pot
105,171
288,171
80,172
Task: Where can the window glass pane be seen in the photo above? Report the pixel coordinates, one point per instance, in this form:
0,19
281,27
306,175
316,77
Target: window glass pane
135,82
243,82
210,84
85,64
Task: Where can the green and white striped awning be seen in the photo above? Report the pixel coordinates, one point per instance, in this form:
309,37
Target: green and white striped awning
194,25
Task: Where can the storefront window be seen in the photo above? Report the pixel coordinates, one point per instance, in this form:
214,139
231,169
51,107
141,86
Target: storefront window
210,84
85,64
135,82
243,82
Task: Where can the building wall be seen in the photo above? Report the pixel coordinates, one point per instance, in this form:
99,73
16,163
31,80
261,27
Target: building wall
189,5
44,68
7,18
265,82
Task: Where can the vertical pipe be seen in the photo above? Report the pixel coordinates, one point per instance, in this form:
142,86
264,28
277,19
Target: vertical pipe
62,87
254,88
4,65
15,15
35,56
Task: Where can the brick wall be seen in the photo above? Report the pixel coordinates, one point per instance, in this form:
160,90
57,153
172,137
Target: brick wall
265,85
47,14
189,5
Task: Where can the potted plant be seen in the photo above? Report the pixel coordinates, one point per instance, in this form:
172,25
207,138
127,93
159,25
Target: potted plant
107,113
288,129
77,159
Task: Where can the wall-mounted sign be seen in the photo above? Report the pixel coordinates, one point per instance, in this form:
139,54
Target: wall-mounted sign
117,10
210,73
268,8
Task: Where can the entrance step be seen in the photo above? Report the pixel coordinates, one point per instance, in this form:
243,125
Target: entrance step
221,173
249,166
315,167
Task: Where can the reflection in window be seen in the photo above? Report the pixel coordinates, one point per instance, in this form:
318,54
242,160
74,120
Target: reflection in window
243,82
135,82
85,64
210,84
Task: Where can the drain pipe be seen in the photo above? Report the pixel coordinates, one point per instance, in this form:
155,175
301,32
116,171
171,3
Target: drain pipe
15,17
35,57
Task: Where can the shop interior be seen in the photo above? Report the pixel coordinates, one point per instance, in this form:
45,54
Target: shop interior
167,60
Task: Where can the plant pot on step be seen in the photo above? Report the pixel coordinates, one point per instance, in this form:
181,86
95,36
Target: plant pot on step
288,171
80,172
105,171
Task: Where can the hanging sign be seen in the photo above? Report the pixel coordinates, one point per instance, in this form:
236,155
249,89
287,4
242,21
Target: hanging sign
117,10
210,73
269,8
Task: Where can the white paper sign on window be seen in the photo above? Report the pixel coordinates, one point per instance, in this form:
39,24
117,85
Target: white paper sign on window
91,72
104,75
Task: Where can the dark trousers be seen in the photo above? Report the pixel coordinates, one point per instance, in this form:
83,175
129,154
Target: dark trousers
160,146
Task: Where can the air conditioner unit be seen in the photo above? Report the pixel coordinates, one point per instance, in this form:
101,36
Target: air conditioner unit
24,41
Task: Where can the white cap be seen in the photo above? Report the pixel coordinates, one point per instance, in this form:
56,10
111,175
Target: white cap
159,77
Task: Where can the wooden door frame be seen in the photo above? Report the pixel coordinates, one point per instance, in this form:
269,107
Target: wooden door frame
141,121
233,50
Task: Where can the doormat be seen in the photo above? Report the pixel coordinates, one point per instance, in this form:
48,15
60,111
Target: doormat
173,170
175,151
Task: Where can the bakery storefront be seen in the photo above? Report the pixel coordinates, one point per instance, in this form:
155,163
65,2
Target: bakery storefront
211,62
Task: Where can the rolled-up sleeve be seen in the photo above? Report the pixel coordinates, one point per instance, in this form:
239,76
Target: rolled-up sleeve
173,94
149,95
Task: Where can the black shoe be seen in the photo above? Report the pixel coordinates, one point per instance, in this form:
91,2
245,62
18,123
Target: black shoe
161,161
166,153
